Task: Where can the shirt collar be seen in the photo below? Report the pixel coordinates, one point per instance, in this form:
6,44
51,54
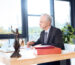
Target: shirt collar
48,30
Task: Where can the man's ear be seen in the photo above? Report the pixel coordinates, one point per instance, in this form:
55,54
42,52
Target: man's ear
49,23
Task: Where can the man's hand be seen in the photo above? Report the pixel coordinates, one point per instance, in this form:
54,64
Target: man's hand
30,43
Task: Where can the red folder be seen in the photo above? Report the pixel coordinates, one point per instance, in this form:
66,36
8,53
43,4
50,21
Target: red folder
44,50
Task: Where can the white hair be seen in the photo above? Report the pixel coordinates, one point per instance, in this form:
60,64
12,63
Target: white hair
49,18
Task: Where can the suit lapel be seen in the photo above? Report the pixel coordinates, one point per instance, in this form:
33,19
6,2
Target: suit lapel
50,34
43,37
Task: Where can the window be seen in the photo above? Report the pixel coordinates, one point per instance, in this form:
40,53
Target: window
38,6
24,15
34,29
62,13
35,9
7,44
10,15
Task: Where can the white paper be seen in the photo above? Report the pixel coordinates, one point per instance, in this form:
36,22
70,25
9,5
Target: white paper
42,45
2,63
4,60
27,53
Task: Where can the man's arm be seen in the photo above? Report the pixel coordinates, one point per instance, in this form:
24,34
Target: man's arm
39,40
34,43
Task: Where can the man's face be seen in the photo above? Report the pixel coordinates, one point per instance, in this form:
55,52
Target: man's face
44,22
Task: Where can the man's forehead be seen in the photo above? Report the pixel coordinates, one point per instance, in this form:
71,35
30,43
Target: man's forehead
43,18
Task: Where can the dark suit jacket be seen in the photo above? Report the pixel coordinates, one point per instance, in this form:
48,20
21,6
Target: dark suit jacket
54,38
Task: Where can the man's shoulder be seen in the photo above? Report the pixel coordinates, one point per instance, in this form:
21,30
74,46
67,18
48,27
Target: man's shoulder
54,28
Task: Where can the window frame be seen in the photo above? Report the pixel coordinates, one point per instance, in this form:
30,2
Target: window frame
24,22
51,12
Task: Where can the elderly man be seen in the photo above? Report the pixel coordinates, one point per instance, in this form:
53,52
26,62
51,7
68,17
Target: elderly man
49,36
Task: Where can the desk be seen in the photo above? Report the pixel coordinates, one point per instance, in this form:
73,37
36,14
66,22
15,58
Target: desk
42,59
39,58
